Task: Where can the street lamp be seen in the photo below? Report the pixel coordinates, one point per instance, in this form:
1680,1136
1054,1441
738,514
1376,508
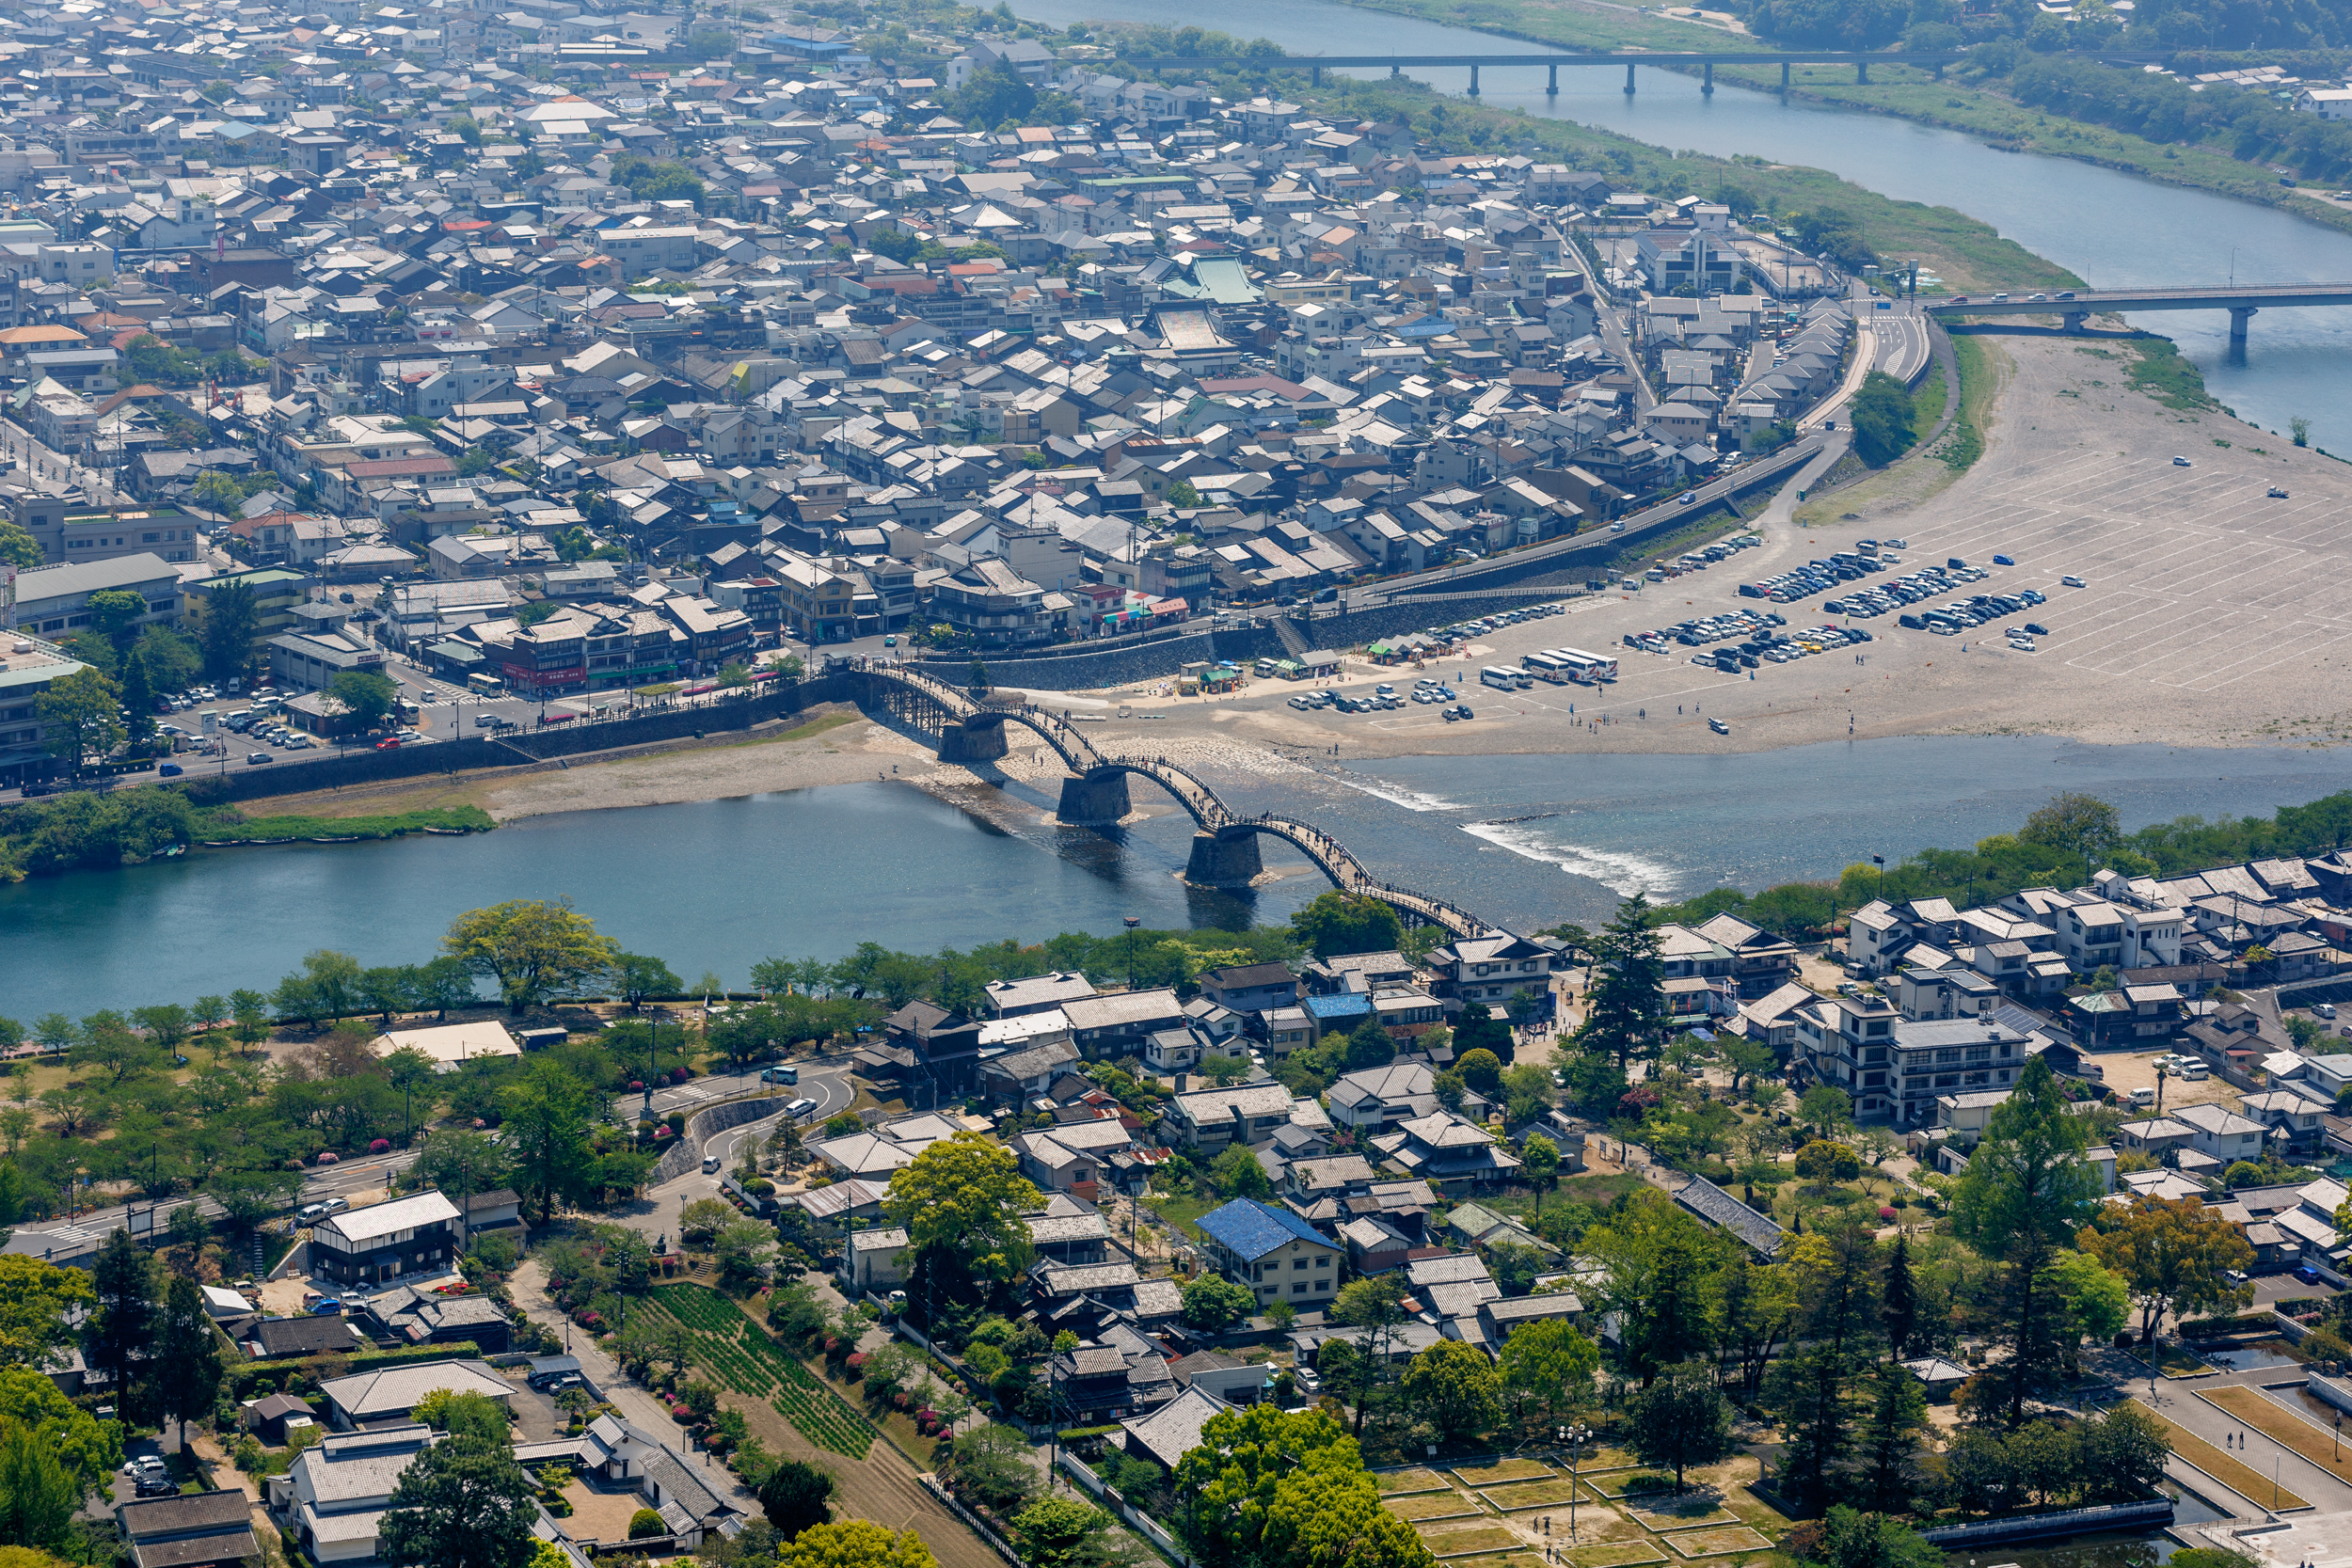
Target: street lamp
1133,921
1574,1436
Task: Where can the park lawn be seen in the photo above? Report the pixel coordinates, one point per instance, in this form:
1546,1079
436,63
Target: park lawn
1469,1542
1397,1482
1621,1554
1625,1484
1715,1542
1447,1504
2179,1361
1690,1510
2244,1480
1182,1211
1498,1471
2281,1426
1532,1494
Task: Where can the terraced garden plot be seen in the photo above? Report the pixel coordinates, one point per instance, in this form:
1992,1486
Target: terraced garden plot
1714,1542
1495,1472
1396,1482
1620,1553
2283,1427
1625,1483
1472,1543
1430,1505
1593,1460
1528,1494
732,1351
2244,1480
1690,1514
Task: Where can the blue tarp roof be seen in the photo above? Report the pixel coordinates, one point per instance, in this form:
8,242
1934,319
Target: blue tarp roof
1347,1004
1250,1229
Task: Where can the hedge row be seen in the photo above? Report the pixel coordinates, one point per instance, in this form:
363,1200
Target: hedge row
361,1361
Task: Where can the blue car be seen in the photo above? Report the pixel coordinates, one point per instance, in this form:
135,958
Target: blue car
169,770
325,1308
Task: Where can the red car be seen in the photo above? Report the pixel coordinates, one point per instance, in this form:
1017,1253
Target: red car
391,745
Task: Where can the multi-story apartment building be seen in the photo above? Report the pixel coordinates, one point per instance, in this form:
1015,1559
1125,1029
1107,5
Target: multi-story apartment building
1894,1067
27,668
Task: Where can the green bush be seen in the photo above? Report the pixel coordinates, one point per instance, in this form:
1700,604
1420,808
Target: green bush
645,1522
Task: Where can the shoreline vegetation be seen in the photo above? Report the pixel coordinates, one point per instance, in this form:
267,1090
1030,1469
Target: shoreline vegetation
84,831
2060,844
2029,123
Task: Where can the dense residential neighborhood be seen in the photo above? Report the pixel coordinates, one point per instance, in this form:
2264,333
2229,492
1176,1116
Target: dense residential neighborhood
1476,1211
577,352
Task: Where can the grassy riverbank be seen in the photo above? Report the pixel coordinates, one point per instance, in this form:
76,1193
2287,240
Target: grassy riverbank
82,830
1913,94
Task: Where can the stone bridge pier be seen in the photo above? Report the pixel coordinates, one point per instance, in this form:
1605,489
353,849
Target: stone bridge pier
979,739
1227,857
1098,800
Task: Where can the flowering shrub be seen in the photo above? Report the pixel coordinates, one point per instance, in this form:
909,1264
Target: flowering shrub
381,1145
679,1413
1886,1211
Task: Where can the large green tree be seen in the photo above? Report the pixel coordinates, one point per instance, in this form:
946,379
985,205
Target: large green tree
462,1504
1623,1015
1271,1488
1334,924
119,1336
966,1194
186,1356
1681,1419
367,696
546,1133
535,948
78,716
1454,1387
2027,1191
1882,420
233,624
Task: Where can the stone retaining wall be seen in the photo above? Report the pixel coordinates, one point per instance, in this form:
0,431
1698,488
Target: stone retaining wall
2073,1521
687,1153
540,748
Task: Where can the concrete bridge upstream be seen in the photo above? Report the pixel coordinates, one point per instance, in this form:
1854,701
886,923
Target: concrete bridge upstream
2074,306
1552,61
971,729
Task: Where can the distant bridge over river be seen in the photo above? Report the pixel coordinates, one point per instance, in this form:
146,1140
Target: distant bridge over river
2074,306
971,728
1632,60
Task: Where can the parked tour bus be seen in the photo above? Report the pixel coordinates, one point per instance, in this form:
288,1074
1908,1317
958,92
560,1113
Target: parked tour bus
1505,678
1587,667
1548,667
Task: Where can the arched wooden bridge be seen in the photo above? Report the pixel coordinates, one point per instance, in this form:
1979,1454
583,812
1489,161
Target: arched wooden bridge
1224,852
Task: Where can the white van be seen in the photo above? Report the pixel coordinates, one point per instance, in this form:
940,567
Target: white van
2143,1099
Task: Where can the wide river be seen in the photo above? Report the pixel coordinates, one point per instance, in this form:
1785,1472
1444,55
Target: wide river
1528,840
2113,229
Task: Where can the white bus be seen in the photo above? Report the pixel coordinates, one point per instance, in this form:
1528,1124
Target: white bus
1502,677
1548,667
1586,667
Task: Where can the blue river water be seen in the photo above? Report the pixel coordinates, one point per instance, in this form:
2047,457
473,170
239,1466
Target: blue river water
717,885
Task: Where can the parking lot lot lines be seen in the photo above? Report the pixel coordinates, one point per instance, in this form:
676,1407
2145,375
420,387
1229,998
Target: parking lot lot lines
2307,646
